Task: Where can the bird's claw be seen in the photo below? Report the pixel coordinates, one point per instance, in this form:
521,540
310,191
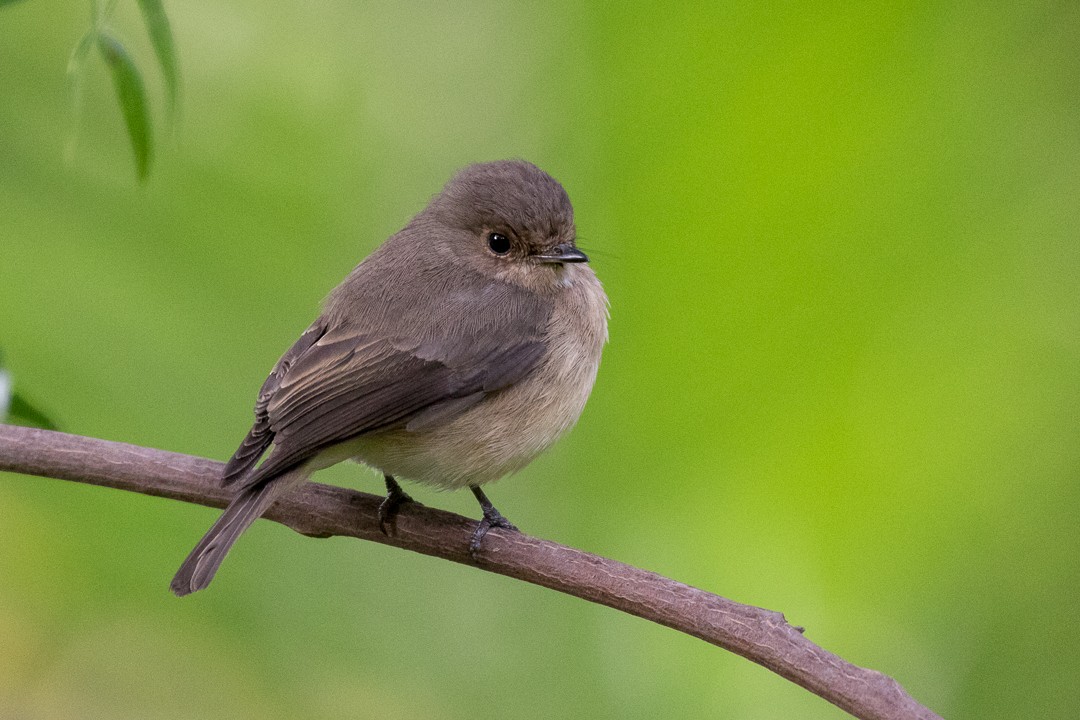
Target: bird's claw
493,519
388,508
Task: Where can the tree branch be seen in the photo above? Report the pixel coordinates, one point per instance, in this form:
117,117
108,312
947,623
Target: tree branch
762,636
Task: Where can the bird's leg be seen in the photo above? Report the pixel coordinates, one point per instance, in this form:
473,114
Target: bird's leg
388,508
492,518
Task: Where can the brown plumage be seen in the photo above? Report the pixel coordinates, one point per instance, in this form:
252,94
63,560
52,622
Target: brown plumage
464,346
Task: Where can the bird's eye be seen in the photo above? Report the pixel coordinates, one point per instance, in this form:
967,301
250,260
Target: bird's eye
499,243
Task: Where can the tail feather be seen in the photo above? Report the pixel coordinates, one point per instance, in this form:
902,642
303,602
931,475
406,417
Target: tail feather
203,561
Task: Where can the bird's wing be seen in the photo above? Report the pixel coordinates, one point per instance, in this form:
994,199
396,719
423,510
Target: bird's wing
349,385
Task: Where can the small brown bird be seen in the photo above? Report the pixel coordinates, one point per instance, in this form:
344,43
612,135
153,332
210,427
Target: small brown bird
457,352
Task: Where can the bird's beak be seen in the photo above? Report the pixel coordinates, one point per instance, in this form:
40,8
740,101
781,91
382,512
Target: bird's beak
562,253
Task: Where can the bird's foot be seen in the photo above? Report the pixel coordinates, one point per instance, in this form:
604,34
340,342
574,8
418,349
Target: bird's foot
492,519
388,509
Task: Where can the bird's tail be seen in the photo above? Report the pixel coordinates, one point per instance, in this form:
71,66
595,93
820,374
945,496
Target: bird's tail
203,561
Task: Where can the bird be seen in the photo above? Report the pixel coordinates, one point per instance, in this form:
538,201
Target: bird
453,355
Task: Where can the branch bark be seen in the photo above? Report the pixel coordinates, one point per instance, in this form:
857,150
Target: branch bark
317,510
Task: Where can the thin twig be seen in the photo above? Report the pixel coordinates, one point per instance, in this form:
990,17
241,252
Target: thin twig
762,636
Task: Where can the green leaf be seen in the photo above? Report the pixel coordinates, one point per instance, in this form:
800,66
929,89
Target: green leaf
132,97
77,61
76,71
157,25
22,412
8,2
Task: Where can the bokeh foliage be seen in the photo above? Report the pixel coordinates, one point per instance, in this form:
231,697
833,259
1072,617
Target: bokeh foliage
841,243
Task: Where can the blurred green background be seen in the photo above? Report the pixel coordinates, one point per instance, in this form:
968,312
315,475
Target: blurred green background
842,246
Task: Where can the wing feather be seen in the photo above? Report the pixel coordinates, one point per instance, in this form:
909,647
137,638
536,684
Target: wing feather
371,387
